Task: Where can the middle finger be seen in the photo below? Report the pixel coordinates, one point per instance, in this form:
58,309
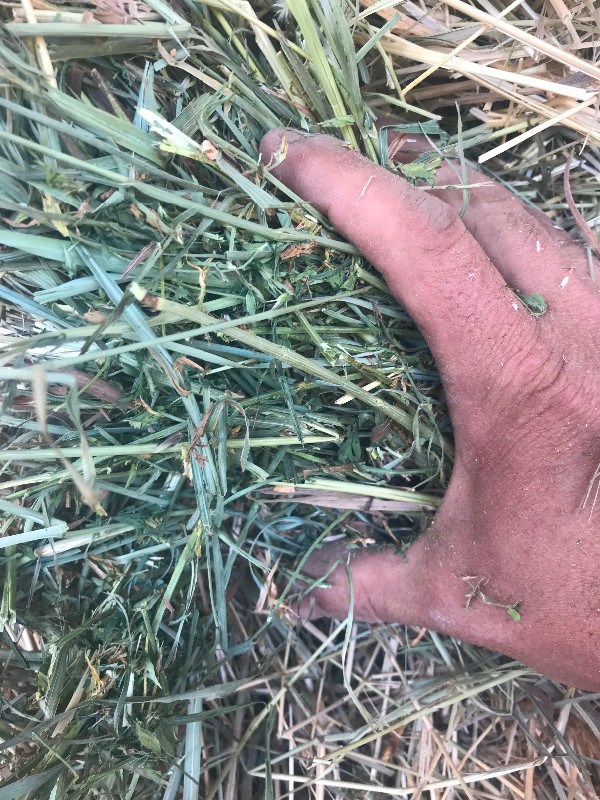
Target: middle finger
529,251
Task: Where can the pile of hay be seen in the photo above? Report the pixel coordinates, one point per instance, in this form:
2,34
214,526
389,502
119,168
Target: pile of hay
198,374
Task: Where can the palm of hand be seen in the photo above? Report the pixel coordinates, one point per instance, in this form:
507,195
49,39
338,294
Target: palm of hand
523,393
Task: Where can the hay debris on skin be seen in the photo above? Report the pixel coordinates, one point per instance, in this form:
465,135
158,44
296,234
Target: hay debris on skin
177,334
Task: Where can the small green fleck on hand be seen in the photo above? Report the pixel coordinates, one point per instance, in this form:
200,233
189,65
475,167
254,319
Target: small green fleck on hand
534,302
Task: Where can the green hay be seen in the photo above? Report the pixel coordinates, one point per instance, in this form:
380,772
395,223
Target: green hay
139,511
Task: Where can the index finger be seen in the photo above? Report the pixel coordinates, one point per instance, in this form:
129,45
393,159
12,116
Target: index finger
431,263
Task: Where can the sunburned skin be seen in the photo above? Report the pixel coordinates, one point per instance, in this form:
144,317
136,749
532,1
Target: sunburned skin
524,396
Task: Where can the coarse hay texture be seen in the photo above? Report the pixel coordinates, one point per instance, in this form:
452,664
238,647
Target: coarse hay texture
201,382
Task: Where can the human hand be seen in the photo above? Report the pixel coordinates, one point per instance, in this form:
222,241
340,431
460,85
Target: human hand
523,393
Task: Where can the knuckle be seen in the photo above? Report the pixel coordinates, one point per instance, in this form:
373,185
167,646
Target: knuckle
554,395
540,399
569,397
543,379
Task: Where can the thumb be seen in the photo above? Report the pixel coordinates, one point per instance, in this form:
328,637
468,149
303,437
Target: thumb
384,586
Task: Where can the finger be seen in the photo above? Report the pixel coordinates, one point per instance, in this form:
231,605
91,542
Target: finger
425,587
531,253
429,260
420,587
481,218
384,586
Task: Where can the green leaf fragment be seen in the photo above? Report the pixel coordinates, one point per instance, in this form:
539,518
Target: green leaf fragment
422,170
148,739
534,302
337,122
